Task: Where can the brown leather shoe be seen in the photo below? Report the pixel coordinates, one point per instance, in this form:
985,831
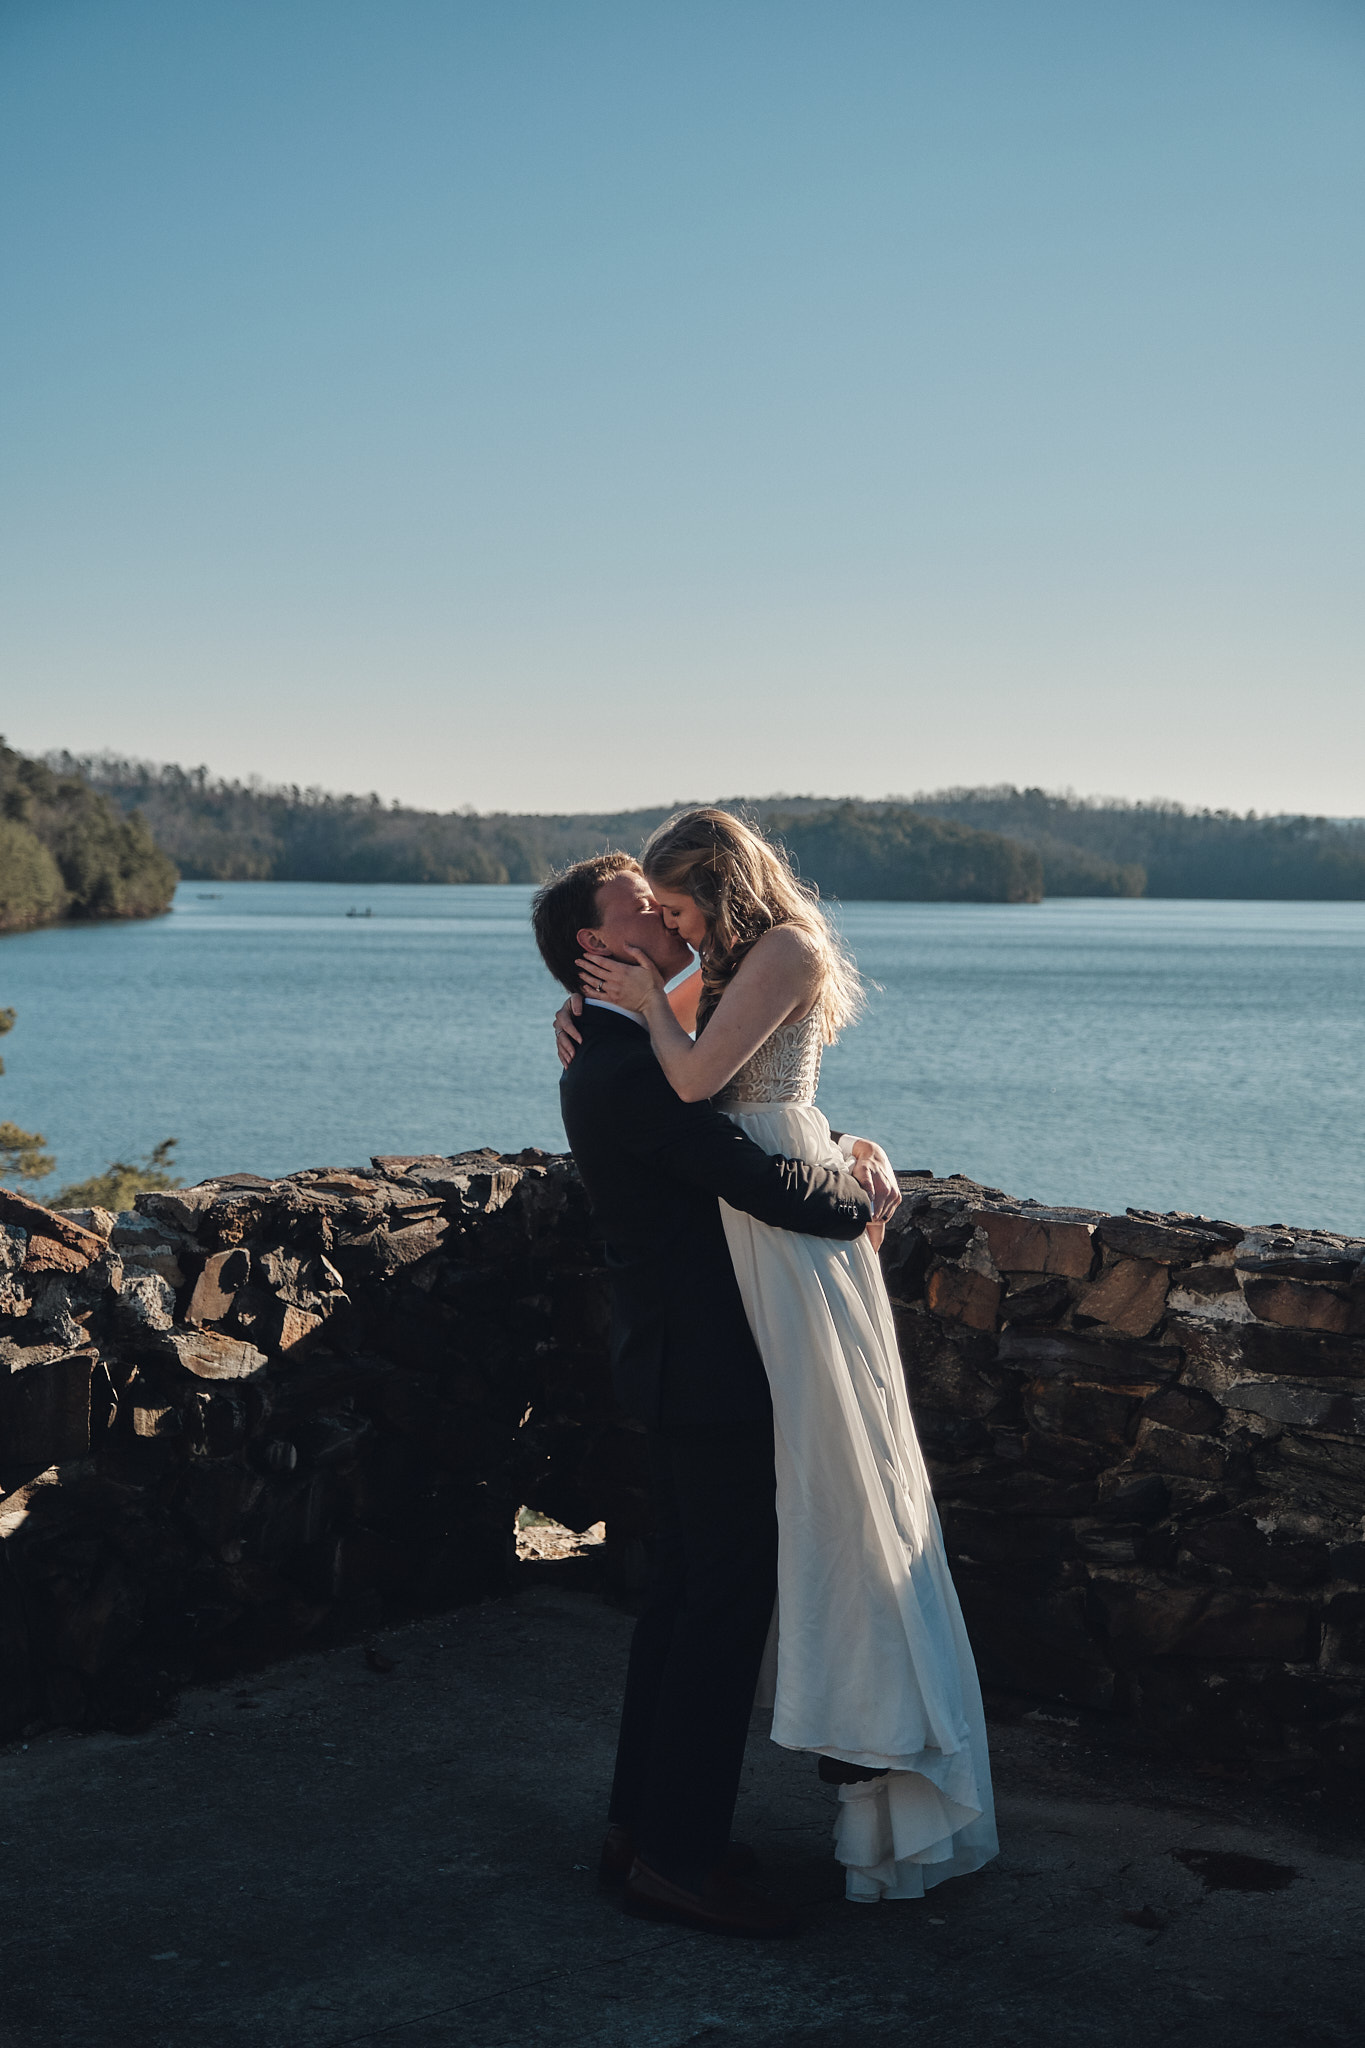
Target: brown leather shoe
724,1905
618,1853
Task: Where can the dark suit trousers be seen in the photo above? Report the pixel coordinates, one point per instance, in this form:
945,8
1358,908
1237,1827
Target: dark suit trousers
698,1643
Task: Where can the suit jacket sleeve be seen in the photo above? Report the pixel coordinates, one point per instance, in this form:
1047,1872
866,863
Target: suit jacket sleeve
699,1144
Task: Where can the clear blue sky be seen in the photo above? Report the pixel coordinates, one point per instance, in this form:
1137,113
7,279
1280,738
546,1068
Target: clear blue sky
576,403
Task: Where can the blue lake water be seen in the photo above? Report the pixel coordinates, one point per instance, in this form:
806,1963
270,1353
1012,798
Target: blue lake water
1202,1056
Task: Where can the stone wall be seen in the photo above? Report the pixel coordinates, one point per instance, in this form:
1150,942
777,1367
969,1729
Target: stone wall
1147,1435
252,1414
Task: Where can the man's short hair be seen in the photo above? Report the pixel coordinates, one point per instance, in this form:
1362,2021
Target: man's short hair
566,906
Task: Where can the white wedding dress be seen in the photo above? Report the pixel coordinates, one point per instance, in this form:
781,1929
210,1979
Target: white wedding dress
872,1660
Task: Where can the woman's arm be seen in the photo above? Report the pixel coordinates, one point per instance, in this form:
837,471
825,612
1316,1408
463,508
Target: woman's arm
778,980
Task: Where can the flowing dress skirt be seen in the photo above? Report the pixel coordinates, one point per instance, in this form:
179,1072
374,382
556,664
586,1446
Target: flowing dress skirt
873,1664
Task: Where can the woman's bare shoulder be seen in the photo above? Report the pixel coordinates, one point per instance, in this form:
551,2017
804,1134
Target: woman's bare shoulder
787,942
789,954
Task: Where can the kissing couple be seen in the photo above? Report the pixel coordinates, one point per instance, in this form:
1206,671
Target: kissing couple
796,1538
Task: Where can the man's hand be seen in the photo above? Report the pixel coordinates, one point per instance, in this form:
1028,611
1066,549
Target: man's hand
567,1039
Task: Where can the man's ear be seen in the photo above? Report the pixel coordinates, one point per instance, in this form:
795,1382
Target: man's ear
589,941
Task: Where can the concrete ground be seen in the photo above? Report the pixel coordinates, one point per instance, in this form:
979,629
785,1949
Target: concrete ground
333,1854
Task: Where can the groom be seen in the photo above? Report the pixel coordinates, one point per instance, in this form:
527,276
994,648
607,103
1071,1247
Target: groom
685,1364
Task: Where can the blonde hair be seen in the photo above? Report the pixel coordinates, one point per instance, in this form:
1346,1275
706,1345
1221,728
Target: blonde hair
744,887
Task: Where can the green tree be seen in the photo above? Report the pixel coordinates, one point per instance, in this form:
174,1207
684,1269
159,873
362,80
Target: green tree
66,850
21,1152
31,887
118,1184
888,853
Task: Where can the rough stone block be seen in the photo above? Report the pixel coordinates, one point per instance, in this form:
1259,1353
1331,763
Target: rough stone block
1233,1630
182,1208
1097,1414
945,1374
154,1420
212,1357
298,1328
1297,1306
49,1255
222,1274
1005,1542
144,1246
1144,1619
1263,1347
1300,1403
45,1411
1348,1562
1191,1457
1064,1457
1210,1281
1142,1497
1232,1542
1321,1475
905,1257
100,1222
1186,1409
1298,1255
1036,1301
22,1213
146,1302
1168,1244
962,1296
1296,1565
53,1312
1043,1354
1022,1244
1101,1541
1128,1297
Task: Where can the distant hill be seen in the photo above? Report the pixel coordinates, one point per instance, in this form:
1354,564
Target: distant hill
66,850
1183,852
234,831
1000,845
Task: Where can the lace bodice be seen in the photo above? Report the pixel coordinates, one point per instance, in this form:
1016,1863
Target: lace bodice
786,1067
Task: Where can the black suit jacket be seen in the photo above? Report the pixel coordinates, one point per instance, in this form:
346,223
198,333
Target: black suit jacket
654,1166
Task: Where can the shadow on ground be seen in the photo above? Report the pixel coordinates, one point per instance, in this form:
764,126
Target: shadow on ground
339,1854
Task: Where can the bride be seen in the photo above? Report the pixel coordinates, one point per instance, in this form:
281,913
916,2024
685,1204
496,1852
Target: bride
874,1672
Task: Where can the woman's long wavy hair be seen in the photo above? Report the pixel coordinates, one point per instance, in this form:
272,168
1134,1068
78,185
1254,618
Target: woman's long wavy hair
743,887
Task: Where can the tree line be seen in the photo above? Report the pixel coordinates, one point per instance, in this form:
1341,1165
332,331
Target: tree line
998,845
1163,849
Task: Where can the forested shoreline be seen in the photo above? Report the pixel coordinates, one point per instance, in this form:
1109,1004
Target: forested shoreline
97,836
966,845
67,850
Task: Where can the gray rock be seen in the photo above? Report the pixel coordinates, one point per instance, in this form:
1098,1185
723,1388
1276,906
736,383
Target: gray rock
1298,1255
146,1302
146,1246
1168,1244
1301,1403
50,1308
100,1221
1061,1352
182,1208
